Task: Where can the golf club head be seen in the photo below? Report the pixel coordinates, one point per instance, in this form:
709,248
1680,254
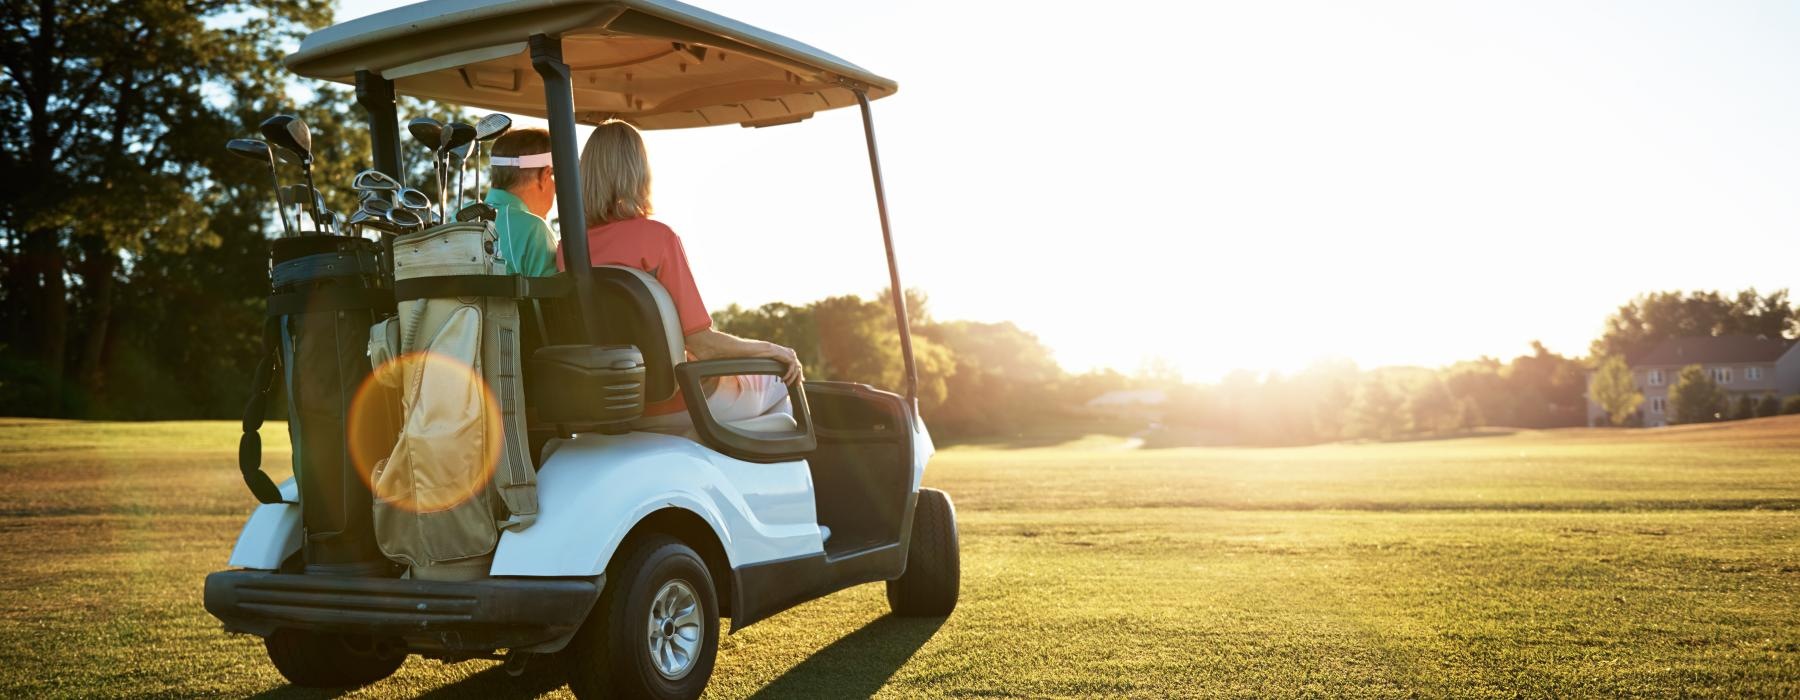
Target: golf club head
375,181
454,135
286,131
375,206
249,148
427,130
492,126
406,219
478,211
411,198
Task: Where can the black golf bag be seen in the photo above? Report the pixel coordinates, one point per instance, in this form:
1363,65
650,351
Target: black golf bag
326,293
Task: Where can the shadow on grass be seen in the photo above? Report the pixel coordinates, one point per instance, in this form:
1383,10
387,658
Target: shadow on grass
856,665
539,678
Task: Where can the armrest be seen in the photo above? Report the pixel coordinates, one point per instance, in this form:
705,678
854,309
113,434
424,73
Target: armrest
749,446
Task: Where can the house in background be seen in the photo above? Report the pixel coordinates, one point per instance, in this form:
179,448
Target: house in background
1741,364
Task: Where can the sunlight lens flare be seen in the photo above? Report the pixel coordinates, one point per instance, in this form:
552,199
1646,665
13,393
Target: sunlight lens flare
438,452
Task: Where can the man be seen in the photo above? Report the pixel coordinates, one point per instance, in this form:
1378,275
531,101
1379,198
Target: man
523,192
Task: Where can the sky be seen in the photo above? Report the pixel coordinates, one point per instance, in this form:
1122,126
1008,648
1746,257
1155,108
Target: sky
1262,185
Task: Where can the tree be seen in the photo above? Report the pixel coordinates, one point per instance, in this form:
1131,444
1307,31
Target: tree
1745,408
1615,390
1375,412
1431,409
1649,319
1770,405
115,165
1695,397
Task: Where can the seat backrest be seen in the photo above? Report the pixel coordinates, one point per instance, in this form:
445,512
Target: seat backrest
634,310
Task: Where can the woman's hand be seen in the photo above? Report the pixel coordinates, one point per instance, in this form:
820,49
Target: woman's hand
711,344
785,356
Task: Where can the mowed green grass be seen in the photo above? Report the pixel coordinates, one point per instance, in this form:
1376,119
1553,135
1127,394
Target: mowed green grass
1564,563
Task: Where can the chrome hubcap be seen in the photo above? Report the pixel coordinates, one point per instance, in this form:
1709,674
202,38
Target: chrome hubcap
675,633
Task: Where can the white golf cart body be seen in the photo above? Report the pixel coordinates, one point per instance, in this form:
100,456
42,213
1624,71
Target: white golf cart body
744,496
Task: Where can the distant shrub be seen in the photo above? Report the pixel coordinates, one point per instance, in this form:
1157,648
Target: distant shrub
1745,408
1769,405
1791,406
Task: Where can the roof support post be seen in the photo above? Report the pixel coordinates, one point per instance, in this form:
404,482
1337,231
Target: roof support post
565,160
887,238
375,95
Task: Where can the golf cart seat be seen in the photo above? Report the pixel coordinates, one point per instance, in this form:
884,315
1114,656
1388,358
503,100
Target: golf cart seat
636,311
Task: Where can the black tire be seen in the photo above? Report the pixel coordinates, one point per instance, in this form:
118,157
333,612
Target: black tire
933,575
610,657
315,660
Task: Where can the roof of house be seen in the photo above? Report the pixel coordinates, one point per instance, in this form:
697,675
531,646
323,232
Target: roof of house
1716,349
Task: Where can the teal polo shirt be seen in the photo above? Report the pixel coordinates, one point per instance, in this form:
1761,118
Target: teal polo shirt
525,238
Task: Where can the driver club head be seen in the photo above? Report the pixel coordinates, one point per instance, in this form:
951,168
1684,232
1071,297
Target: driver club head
427,130
454,135
288,132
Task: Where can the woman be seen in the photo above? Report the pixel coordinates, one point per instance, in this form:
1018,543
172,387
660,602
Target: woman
615,184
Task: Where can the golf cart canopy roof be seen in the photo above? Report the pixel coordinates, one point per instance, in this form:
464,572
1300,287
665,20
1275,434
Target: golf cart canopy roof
658,64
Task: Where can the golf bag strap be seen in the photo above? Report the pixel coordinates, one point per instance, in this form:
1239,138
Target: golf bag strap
250,445
505,286
323,300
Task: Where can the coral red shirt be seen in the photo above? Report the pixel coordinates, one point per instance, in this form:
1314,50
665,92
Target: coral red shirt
654,248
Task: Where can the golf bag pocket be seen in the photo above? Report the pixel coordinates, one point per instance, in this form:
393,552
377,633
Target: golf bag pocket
460,471
432,502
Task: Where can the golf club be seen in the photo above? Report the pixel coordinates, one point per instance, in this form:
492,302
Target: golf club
461,154
454,134
257,150
490,127
295,194
429,132
414,199
375,181
407,219
288,132
477,211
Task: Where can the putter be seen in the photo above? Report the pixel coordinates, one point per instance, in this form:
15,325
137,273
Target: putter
455,134
289,133
490,127
429,132
257,150
477,211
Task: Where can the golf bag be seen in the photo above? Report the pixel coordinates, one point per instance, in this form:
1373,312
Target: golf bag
461,470
326,291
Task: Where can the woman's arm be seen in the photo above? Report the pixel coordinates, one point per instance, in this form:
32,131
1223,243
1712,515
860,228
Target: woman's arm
712,344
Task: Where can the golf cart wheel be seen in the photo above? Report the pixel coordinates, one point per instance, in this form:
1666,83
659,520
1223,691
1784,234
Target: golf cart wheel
933,561
314,660
654,632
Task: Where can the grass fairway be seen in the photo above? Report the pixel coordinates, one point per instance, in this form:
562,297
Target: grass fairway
1568,563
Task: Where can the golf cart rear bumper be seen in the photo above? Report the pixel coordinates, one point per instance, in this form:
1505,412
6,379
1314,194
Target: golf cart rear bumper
521,614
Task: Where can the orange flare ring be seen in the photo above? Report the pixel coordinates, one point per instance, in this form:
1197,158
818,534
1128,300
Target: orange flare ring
376,420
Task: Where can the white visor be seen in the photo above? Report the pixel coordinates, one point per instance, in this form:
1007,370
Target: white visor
535,160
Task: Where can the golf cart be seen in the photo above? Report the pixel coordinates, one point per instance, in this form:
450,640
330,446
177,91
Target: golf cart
635,543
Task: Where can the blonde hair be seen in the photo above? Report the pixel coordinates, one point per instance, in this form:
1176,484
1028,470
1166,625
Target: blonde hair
615,174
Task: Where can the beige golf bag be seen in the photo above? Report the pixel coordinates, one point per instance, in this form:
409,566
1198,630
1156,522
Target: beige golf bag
461,470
